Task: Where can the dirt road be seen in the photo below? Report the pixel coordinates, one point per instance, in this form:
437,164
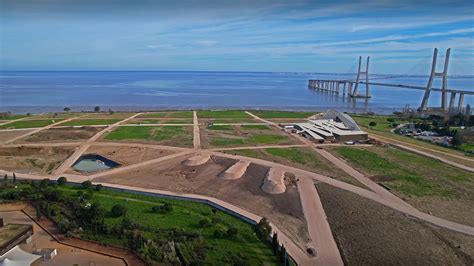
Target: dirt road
196,135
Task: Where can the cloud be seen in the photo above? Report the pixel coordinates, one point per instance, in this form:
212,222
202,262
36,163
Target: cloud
206,43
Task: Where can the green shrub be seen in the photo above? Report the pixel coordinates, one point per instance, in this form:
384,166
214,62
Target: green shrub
62,181
119,210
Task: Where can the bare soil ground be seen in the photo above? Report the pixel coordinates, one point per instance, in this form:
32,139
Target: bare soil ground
368,233
282,209
164,120
10,134
128,155
316,164
62,134
33,159
41,239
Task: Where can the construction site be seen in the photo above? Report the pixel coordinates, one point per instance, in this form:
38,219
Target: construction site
310,174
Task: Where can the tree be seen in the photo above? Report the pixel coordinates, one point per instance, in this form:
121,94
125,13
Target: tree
14,178
111,111
98,187
67,109
119,210
282,253
86,184
97,109
263,229
372,124
5,180
275,244
63,226
62,181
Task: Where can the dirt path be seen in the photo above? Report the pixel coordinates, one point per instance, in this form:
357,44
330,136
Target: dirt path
318,226
71,159
196,135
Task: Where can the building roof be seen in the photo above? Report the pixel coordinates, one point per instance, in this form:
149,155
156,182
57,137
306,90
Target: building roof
17,257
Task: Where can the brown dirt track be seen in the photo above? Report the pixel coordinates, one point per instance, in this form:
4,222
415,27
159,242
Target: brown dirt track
62,134
33,159
128,155
368,233
6,135
283,209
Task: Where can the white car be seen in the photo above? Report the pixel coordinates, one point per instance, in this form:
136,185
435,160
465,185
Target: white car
349,142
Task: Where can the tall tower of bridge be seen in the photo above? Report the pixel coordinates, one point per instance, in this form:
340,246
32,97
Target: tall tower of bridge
433,75
359,73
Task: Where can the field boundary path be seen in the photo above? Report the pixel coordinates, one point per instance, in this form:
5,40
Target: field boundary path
40,129
196,134
71,159
14,120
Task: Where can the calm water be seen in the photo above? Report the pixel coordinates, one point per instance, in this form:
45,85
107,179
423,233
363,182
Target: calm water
52,91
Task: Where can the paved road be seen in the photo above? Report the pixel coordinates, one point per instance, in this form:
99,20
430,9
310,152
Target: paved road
318,226
196,135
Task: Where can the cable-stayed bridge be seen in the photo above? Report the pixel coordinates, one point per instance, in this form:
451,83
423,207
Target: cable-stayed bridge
360,87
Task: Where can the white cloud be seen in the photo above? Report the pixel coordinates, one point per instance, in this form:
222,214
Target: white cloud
206,43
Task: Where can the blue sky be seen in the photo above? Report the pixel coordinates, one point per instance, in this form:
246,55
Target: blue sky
258,35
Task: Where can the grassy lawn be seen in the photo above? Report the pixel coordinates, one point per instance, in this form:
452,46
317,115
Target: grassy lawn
254,127
89,122
408,173
160,121
382,123
168,135
177,114
261,139
222,114
282,114
14,117
30,123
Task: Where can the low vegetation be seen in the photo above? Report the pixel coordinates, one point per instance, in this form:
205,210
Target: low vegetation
169,135
89,122
177,114
29,123
223,114
282,114
408,173
160,231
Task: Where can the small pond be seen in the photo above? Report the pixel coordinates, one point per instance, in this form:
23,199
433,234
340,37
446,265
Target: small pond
90,163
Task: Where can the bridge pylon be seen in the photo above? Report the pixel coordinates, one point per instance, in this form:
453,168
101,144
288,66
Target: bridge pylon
444,76
358,79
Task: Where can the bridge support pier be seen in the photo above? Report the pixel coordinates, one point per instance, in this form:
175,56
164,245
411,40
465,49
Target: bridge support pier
451,102
461,102
433,74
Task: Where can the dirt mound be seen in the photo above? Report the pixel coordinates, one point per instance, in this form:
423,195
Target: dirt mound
274,182
236,171
197,160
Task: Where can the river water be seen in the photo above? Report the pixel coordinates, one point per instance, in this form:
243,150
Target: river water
36,92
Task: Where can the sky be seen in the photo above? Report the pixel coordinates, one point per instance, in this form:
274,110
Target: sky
220,35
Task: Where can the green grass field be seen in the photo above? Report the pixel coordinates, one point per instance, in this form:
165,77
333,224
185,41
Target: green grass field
14,117
90,122
408,173
160,121
281,114
177,114
29,123
255,127
184,215
168,135
222,114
